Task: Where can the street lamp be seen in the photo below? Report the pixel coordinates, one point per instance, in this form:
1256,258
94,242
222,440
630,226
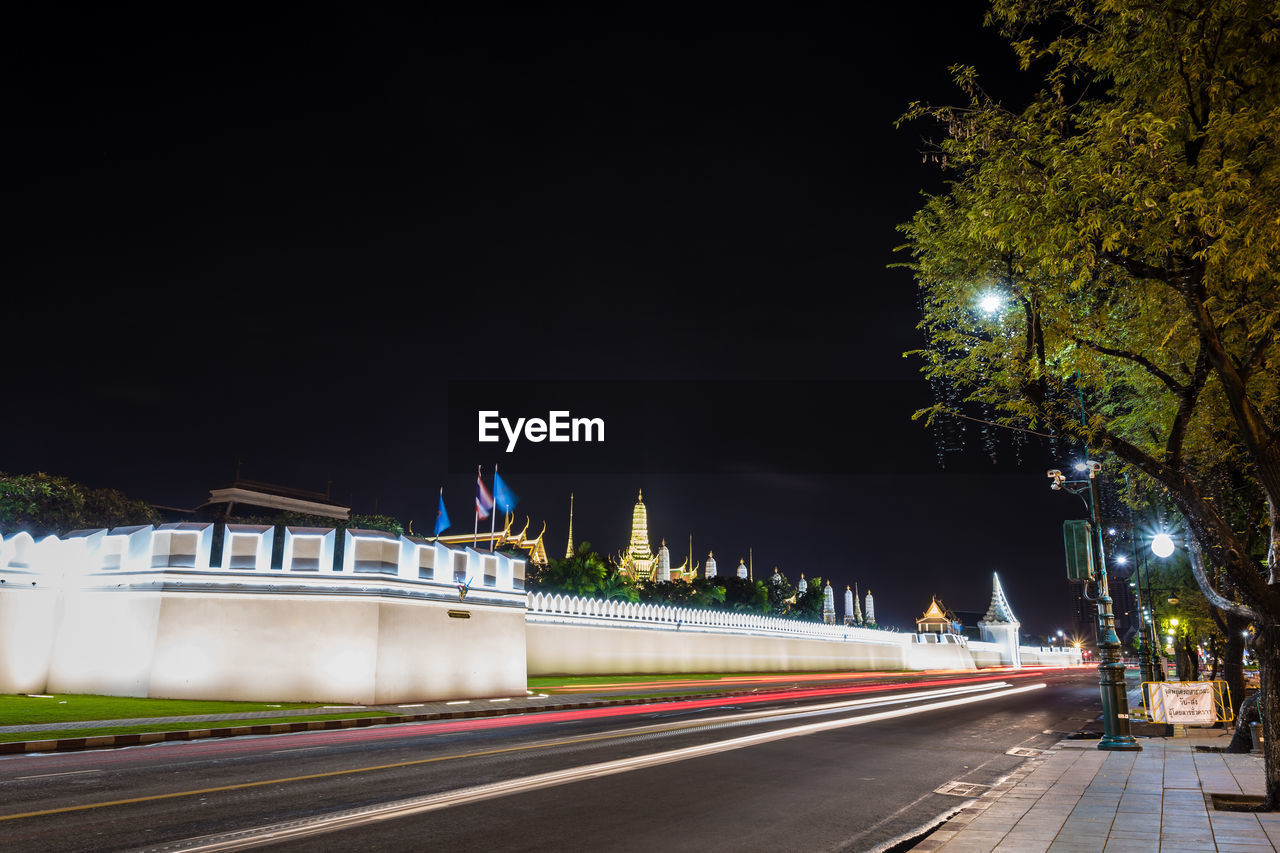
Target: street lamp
1115,701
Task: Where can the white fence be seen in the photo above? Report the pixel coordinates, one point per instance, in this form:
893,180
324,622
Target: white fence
570,608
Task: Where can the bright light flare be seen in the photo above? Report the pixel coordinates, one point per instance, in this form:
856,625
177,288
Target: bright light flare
990,303
1162,545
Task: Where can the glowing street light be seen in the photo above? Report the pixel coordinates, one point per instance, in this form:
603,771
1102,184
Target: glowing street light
990,303
1162,545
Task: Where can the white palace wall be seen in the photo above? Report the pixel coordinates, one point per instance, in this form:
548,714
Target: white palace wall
143,611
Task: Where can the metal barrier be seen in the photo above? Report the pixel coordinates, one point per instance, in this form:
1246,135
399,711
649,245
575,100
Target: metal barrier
1156,701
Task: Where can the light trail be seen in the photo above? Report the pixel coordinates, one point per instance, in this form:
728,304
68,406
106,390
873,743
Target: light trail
253,744
579,739
293,830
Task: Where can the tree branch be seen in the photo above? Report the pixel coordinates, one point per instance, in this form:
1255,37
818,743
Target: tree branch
1215,598
1168,380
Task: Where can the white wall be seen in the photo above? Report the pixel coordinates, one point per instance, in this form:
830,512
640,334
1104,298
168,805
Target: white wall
580,649
105,613
141,612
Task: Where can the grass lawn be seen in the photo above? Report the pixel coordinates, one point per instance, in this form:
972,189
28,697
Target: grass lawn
555,684
20,710
70,731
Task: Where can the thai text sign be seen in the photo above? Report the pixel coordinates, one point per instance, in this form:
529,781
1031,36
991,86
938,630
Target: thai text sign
1183,702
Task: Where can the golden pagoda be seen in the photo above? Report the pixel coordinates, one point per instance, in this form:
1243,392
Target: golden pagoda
641,563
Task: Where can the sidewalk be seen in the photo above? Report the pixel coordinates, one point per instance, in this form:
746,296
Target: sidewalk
1075,798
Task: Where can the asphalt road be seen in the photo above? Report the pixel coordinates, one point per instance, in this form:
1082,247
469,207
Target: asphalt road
852,772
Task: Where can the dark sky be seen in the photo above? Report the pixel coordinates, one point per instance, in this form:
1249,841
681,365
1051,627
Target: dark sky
282,236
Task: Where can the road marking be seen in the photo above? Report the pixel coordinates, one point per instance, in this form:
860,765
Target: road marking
292,830
982,689
48,775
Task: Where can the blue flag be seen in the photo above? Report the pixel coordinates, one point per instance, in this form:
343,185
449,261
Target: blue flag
442,517
502,494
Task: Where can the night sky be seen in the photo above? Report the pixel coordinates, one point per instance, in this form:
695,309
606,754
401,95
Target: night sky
281,238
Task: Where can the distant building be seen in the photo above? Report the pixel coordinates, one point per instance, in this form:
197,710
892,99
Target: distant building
246,498
937,620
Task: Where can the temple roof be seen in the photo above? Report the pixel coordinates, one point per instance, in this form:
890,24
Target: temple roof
934,611
999,611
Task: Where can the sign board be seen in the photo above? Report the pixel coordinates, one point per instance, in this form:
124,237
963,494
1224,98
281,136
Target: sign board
1077,536
1183,703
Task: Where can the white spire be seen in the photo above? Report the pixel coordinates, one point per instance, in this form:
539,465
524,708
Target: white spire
663,571
848,605
828,604
742,568
871,609
803,586
999,611
711,564
857,606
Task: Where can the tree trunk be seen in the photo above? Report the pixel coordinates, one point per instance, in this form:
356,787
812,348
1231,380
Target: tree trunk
1233,659
1267,650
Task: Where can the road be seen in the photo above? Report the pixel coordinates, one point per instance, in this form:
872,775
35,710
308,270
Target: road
850,767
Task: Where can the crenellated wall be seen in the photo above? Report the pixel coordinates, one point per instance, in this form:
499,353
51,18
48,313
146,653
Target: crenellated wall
142,611
173,612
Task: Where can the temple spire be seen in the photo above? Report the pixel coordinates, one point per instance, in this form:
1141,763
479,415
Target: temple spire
639,549
857,605
999,610
568,551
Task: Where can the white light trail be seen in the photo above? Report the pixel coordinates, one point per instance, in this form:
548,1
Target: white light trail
447,799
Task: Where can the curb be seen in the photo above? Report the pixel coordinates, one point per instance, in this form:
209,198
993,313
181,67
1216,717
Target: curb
73,744
960,819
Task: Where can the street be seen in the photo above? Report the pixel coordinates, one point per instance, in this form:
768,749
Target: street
856,772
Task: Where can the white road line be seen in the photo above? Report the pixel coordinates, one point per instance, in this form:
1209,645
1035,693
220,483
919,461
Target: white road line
388,811
47,775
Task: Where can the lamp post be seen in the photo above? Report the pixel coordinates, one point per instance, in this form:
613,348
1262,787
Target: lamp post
1115,701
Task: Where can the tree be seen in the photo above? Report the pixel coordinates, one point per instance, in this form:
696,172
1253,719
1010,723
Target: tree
781,593
44,504
745,595
1123,225
808,605
581,574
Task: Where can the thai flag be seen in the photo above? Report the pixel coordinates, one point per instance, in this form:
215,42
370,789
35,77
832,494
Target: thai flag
484,500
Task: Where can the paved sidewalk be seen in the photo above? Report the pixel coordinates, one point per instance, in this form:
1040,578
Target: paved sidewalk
1075,798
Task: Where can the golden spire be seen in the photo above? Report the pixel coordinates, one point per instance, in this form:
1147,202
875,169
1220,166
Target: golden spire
568,550
640,549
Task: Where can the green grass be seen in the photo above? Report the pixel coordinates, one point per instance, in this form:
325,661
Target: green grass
20,710
544,683
69,732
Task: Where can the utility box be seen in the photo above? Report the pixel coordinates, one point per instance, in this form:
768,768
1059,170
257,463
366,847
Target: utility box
1077,536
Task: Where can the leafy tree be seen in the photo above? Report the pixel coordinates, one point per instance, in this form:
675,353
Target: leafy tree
1123,224
616,586
780,594
745,595
581,574
44,504
706,592
808,605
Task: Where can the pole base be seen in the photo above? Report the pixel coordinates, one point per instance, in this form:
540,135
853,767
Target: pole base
1120,743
